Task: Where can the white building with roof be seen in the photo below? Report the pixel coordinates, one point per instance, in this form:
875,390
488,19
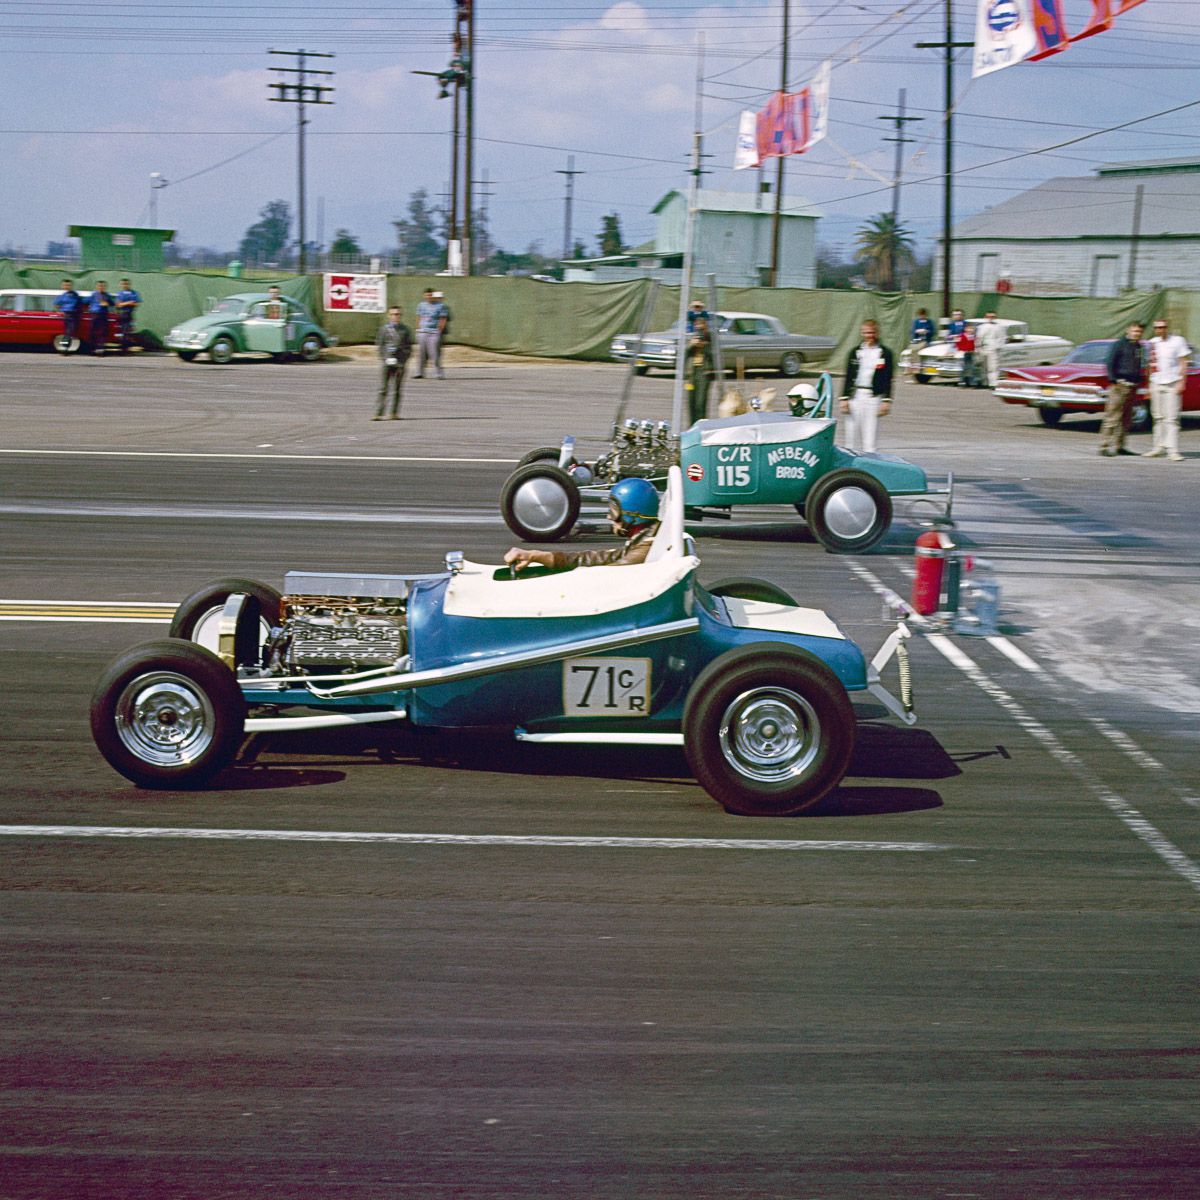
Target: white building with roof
1131,225
731,240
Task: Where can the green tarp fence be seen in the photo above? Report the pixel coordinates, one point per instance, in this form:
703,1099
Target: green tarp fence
167,297
578,320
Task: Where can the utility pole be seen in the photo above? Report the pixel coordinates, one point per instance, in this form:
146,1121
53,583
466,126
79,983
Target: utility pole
899,120
465,17
157,183
484,247
949,46
1136,232
570,173
300,92
783,76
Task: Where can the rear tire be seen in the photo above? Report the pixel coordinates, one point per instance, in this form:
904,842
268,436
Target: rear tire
1050,417
848,511
311,347
540,502
791,364
749,588
543,454
168,714
768,730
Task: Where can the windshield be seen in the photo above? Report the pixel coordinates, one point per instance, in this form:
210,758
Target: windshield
1089,352
227,305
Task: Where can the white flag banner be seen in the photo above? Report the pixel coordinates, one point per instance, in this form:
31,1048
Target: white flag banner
1004,35
819,101
745,152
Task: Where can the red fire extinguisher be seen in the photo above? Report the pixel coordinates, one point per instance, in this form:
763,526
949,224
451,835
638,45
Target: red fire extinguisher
933,548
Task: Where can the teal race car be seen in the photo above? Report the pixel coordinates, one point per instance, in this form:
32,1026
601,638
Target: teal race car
757,690
749,461
250,323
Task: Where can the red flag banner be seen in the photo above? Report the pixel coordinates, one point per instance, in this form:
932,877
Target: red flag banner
785,126
1051,30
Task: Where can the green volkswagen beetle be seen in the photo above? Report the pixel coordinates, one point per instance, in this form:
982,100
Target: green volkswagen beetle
250,323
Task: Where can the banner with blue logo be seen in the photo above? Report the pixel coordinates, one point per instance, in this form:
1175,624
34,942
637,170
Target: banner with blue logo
1004,35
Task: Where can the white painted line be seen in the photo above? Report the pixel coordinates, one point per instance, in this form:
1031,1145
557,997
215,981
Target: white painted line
1017,655
454,839
246,513
383,458
1129,816
94,620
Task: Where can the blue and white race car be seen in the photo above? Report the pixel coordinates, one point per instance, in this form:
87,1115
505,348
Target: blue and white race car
756,689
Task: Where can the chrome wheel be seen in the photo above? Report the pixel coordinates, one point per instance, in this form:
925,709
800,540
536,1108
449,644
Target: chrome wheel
850,513
164,719
770,734
540,504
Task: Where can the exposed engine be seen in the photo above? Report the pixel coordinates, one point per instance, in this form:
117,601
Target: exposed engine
638,448
352,623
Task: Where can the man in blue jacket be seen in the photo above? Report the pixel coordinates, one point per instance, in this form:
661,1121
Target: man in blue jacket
100,306
70,304
127,302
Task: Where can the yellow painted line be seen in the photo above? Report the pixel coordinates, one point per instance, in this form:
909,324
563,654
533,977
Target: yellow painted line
84,610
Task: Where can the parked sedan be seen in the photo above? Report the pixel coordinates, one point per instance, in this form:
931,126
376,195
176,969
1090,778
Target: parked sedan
1078,385
28,318
250,323
940,362
761,342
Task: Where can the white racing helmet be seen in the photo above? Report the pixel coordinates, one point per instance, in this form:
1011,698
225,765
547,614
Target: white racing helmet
803,398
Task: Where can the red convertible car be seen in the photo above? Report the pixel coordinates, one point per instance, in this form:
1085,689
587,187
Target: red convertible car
28,318
1078,385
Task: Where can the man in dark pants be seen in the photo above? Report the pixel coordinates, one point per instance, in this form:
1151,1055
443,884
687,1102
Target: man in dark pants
100,306
1126,366
70,304
394,344
127,302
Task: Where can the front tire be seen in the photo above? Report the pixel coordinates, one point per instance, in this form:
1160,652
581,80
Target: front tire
65,345
1050,416
768,730
749,588
921,377
222,351
848,511
168,714
791,364
198,617
311,347
540,502
186,355
642,370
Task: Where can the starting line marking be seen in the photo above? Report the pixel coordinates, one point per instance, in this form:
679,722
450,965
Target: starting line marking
383,458
454,839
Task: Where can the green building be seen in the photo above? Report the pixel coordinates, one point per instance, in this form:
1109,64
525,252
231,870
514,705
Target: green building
120,247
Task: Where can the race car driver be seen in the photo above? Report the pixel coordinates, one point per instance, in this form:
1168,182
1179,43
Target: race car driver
633,512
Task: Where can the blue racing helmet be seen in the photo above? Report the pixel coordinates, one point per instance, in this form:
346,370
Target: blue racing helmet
638,501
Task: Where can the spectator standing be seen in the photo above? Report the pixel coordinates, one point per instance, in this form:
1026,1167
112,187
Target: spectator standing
989,337
276,309
696,312
394,344
699,352
965,344
431,321
70,303
1169,355
1126,368
100,305
867,391
127,302
922,328
957,324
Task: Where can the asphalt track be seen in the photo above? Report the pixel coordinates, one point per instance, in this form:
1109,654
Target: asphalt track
374,964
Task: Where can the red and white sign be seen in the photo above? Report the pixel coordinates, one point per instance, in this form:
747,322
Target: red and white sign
356,293
695,472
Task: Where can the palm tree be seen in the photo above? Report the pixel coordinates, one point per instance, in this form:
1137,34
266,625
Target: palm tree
884,246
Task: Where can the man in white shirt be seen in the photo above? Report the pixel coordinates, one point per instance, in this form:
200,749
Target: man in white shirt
989,337
867,391
1169,354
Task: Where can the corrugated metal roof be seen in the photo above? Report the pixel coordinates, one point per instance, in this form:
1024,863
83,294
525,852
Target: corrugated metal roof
1099,206
711,200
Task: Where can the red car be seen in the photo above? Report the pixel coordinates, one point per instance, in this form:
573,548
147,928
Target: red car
1078,385
28,318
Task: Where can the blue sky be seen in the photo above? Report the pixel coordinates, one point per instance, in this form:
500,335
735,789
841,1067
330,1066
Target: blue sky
101,94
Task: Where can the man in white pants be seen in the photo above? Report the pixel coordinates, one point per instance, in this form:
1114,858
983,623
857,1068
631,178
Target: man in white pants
867,391
989,337
1169,354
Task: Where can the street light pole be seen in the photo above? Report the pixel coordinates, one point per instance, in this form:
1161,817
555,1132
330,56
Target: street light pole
157,183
